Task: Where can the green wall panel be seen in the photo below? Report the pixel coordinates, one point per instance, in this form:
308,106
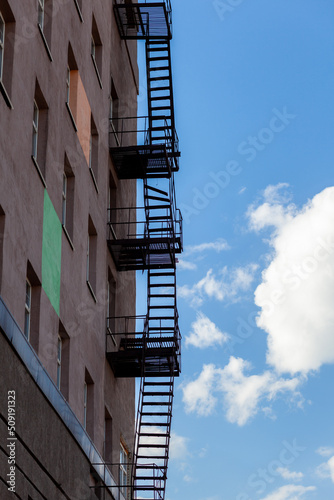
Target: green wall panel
51,254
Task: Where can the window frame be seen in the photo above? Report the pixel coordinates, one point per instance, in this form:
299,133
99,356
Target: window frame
35,122
123,469
68,85
41,13
27,310
85,404
59,360
2,44
64,200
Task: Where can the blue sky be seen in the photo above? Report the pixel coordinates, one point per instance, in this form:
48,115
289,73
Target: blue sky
254,103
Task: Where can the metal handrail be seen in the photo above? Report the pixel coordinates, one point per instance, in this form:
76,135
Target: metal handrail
119,130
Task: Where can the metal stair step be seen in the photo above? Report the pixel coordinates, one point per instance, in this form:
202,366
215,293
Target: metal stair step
155,198
157,78
160,108
160,68
154,434
156,446
157,383
156,190
159,89
155,414
156,403
158,58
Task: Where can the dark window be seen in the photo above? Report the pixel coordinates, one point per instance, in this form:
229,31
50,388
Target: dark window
96,51
89,404
45,8
7,37
107,437
32,307
68,199
2,240
39,131
93,151
63,361
91,256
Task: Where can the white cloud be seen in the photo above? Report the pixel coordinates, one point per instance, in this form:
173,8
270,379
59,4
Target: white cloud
185,265
289,492
274,211
178,449
218,246
242,190
297,287
325,451
286,474
326,469
242,395
277,193
223,285
197,395
205,333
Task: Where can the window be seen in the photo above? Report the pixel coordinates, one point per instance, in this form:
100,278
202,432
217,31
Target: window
123,469
7,37
44,8
39,132
72,86
68,85
96,51
112,213
27,314
93,151
35,130
85,404
107,438
113,115
67,216
63,358
59,351
111,308
41,7
88,405
2,238
91,257
2,43
32,307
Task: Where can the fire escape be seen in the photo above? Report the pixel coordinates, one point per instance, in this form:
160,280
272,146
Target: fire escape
149,238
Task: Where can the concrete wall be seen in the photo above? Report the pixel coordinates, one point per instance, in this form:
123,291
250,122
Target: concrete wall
27,243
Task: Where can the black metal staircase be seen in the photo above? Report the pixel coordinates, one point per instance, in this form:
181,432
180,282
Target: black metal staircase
149,238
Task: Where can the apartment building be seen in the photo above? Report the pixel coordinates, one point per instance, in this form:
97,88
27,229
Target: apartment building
71,240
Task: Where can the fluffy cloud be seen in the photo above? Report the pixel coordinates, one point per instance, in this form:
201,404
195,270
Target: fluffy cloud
274,211
325,451
286,474
218,246
326,470
205,333
197,395
242,394
224,285
178,449
295,296
289,492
